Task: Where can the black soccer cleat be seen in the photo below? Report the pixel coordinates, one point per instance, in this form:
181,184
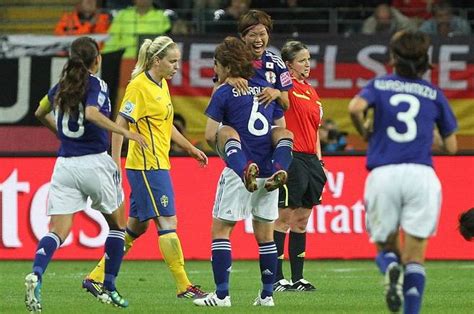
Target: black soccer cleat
394,287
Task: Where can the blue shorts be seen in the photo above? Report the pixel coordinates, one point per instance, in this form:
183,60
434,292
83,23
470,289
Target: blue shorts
152,194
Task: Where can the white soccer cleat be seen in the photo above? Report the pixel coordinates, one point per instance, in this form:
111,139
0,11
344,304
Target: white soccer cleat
268,301
33,293
212,300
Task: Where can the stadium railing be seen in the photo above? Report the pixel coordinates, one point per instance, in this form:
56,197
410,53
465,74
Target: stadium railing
24,16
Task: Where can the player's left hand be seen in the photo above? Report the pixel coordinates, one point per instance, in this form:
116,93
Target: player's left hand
199,155
268,95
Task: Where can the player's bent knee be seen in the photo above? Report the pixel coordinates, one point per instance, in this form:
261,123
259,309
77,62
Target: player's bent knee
226,132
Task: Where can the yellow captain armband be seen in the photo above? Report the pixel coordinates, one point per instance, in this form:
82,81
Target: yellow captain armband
45,104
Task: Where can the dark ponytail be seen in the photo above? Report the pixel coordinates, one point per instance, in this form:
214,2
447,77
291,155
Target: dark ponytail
75,75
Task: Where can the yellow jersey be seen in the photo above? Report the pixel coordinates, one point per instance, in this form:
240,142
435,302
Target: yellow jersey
148,109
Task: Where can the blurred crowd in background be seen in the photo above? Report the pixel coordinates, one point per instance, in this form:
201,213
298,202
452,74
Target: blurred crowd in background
125,20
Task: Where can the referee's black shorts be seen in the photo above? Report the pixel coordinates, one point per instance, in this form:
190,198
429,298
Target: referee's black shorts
306,179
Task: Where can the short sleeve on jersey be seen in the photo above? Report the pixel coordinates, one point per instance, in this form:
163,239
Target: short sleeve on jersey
215,109
94,96
283,82
446,121
368,93
52,93
133,106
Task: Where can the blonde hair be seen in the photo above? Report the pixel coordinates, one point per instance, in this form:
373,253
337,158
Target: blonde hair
149,50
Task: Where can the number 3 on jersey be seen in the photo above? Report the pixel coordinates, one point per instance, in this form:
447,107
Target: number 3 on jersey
254,117
407,117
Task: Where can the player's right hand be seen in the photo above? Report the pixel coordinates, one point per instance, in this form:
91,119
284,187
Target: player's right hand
241,84
140,139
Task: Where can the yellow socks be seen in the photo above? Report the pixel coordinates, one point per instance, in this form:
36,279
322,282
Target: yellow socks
170,248
98,273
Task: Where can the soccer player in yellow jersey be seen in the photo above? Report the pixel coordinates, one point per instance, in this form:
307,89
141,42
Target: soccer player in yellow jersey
146,109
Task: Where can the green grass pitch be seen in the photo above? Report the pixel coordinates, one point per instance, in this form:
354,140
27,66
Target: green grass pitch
343,287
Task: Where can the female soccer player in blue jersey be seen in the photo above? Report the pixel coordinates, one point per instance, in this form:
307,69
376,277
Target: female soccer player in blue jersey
146,108
240,129
81,107
402,190
271,73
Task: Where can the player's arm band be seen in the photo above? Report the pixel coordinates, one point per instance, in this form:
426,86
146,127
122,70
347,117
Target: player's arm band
45,104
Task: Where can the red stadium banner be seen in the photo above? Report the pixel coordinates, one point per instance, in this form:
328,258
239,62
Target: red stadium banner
336,228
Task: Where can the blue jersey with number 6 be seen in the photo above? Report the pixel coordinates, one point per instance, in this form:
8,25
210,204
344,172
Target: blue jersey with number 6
79,136
405,113
251,120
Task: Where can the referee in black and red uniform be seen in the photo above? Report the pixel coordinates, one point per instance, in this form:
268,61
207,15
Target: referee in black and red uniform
306,176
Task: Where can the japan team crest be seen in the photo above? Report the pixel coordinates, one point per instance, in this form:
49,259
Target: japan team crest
164,200
270,77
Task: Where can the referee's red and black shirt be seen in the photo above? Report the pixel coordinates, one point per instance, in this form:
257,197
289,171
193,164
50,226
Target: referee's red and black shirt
304,116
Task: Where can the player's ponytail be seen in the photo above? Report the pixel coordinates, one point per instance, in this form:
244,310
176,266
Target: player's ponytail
141,61
149,51
75,74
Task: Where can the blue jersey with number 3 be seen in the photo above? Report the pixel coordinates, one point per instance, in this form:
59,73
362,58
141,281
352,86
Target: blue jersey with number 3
79,136
251,120
405,113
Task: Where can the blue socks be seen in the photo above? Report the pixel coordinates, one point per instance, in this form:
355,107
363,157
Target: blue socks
268,267
413,286
385,258
221,266
44,252
235,157
282,155
114,245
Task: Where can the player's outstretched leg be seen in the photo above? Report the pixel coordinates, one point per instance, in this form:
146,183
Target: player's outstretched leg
94,282
276,181
394,287
170,248
33,293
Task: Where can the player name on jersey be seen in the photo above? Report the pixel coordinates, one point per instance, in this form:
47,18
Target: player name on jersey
252,90
406,87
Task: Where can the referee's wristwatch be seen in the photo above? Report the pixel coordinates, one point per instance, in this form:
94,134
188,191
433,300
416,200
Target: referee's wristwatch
322,163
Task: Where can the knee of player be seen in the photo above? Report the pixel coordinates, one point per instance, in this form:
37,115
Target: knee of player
226,132
282,223
279,133
299,224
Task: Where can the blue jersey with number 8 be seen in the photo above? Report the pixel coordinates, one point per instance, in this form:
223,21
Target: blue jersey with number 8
79,136
405,113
